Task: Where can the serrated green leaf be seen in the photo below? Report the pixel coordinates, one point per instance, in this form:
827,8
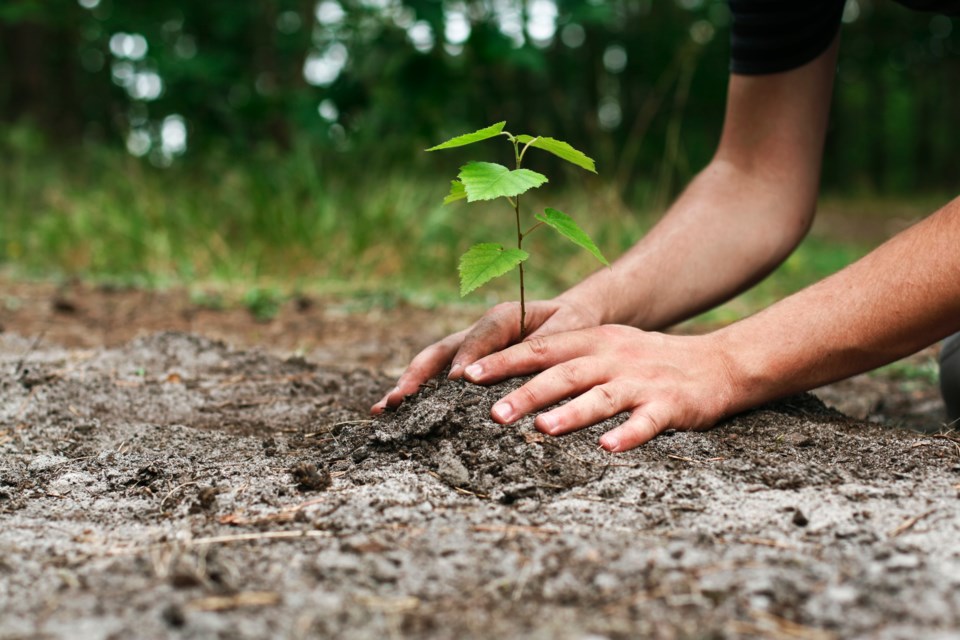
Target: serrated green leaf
469,138
457,192
485,261
565,226
488,180
562,150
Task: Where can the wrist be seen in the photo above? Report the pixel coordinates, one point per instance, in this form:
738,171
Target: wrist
590,302
602,297
750,379
744,383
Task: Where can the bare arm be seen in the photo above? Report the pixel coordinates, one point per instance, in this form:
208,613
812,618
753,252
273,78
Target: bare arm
902,297
739,218
897,299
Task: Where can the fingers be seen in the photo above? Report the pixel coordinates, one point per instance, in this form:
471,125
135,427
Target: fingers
535,354
562,381
599,403
642,426
498,328
424,366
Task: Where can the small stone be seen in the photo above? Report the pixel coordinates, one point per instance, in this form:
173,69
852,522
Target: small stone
799,440
174,616
799,519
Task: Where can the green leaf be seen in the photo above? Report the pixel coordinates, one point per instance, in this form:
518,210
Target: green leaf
561,150
486,261
569,229
488,180
469,138
457,192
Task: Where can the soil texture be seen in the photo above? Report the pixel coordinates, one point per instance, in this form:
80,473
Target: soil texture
174,486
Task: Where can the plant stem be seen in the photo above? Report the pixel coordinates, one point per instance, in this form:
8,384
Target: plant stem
523,306
516,209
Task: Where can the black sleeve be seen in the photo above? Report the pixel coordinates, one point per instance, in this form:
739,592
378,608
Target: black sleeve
946,7
770,36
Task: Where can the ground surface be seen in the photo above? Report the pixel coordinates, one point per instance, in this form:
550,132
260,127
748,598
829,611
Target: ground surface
162,476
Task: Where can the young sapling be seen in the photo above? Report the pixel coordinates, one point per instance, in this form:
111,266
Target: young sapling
488,181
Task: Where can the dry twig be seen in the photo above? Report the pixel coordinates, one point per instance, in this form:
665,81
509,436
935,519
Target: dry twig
475,494
26,354
286,514
514,529
389,605
768,542
240,537
768,625
174,490
235,601
909,523
693,460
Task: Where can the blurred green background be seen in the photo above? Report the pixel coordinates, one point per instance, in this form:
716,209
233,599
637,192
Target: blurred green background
281,141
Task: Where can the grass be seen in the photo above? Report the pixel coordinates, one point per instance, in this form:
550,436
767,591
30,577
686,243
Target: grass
912,373
813,260
278,224
276,221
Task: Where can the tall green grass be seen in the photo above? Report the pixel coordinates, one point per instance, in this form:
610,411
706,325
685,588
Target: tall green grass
303,221
100,213
332,221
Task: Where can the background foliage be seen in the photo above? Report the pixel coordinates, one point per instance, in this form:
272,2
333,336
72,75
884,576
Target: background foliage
638,82
286,136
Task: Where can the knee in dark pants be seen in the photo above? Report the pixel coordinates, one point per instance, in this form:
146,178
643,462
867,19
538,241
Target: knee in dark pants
950,378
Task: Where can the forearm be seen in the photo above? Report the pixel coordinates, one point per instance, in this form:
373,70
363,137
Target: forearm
903,296
728,230
739,218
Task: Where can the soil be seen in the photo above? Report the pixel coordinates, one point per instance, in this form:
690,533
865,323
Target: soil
168,470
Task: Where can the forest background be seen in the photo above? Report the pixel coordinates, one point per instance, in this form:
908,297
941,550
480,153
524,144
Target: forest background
277,145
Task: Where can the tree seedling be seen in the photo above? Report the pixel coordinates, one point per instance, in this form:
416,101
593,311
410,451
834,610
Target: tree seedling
487,181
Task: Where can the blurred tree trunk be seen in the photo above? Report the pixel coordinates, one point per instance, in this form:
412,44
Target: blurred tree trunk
39,82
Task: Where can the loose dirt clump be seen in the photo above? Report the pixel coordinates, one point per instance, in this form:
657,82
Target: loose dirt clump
175,486
308,478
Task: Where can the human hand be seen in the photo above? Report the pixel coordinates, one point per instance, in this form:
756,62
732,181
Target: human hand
496,330
665,382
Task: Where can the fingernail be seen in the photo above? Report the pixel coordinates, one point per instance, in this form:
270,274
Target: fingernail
549,423
382,405
456,370
503,411
610,442
474,371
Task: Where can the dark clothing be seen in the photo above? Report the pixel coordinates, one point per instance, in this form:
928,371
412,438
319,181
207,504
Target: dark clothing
770,36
